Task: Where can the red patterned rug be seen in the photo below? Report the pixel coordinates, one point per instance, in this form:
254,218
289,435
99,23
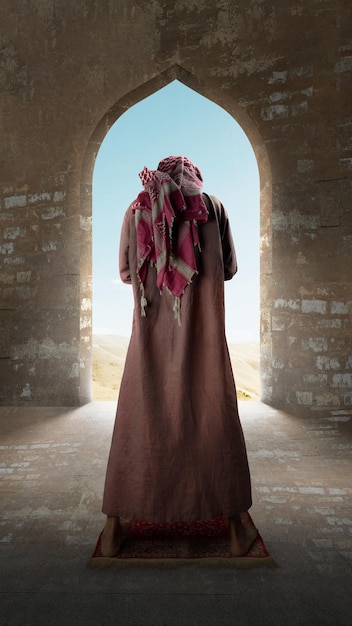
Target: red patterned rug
173,544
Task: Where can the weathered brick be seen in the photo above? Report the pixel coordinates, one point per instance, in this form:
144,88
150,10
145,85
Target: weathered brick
39,198
23,277
315,379
327,363
347,399
327,399
346,164
277,323
49,246
314,306
329,323
342,380
59,196
299,109
317,344
278,77
344,64
6,248
291,101
50,213
304,397
275,111
282,303
341,308
305,165
15,201
14,232
304,71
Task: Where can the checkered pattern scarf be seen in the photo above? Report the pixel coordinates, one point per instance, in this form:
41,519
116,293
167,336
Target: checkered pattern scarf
167,214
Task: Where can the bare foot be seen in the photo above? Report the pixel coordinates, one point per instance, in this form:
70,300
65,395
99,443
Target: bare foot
111,537
242,537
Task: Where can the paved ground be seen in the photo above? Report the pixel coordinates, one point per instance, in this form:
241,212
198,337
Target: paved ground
52,467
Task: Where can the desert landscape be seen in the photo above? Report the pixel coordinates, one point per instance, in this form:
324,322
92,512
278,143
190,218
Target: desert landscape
109,352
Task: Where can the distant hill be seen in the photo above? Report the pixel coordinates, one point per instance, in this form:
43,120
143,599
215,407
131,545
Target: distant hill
109,352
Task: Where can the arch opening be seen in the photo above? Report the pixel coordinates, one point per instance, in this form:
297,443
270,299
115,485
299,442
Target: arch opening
221,181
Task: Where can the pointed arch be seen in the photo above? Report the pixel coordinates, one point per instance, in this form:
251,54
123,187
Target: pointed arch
224,100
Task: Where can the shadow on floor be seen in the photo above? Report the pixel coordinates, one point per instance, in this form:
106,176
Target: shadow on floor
52,473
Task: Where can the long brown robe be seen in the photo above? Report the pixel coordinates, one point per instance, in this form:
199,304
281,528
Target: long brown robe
178,451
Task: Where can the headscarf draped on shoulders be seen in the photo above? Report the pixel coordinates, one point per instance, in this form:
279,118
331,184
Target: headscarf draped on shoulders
167,214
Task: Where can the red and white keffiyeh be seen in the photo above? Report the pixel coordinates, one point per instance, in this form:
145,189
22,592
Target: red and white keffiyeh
167,215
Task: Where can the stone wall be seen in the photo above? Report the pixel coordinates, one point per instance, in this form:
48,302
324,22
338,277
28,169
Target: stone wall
69,68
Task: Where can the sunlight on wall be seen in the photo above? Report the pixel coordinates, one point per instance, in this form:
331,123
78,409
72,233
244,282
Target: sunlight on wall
176,120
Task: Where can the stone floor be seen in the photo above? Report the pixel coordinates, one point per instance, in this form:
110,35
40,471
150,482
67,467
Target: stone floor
52,468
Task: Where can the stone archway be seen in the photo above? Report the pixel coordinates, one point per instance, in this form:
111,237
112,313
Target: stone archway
111,116
283,72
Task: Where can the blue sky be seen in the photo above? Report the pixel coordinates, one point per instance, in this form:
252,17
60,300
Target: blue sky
176,120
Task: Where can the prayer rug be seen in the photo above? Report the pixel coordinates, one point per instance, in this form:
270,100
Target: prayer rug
169,545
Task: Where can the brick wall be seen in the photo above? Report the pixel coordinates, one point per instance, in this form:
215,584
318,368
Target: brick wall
282,69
